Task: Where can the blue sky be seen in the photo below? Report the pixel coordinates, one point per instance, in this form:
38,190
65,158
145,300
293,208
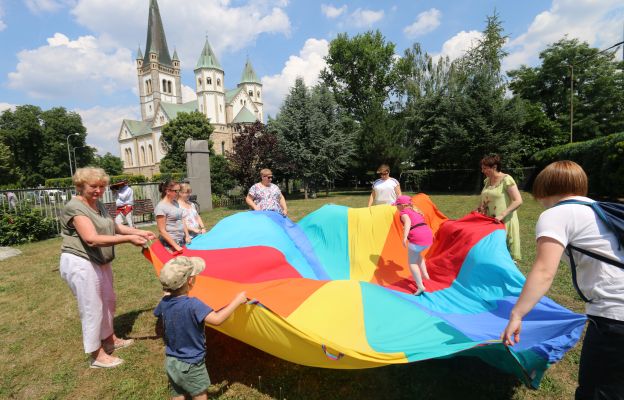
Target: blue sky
80,54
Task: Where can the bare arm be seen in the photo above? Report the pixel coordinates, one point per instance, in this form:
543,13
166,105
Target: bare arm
516,201
126,230
200,221
407,224
282,202
397,190
250,203
162,229
217,317
538,282
86,231
371,199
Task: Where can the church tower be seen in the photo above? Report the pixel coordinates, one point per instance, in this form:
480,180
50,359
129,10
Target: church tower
209,78
158,73
252,86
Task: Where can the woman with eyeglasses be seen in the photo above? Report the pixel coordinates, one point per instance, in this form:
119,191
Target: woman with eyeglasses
385,189
170,217
266,196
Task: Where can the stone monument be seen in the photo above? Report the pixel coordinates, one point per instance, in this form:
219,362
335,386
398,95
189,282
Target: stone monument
198,171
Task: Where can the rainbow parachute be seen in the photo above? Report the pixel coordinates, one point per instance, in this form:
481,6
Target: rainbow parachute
334,290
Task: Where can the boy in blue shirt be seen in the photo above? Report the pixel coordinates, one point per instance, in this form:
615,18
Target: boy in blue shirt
181,319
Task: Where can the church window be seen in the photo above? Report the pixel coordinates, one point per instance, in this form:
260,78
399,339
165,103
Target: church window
169,87
241,102
150,154
222,148
164,86
258,94
208,81
199,82
218,82
244,102
251,93
142,155
150,107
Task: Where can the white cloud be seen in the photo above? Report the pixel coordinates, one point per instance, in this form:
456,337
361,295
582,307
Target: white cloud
188,94
307,65
6,106
41,6
425,22
103,124
3,25
331,11
82,69
459,44
596,22
363,18
186,23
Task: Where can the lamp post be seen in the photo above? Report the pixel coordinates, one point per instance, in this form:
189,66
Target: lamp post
71,171
74,153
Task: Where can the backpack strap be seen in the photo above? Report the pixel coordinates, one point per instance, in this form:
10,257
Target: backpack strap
573,270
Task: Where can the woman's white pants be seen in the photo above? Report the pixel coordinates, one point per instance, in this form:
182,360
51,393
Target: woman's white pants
92,285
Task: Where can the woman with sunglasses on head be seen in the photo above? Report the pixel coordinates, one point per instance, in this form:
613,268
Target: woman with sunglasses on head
385,189
170,217
266,196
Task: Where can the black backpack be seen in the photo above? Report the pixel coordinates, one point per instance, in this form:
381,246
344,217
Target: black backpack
612,214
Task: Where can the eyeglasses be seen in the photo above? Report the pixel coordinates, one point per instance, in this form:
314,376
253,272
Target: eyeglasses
171,190
268,176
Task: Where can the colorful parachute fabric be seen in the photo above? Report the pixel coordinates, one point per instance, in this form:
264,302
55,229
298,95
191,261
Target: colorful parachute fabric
334,290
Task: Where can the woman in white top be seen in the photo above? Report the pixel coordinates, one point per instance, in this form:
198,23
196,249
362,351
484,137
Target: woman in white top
601,368
193,220
385,189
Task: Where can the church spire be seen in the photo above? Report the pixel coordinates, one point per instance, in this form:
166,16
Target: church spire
156,41
249,75
208,59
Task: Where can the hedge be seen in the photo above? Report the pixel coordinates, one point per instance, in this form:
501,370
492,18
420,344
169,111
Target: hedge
176,176
29,225
67,182
602,159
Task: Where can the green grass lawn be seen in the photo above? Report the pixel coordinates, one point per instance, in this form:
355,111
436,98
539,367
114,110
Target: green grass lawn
41,352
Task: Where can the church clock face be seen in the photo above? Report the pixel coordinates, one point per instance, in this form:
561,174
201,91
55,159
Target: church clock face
163,146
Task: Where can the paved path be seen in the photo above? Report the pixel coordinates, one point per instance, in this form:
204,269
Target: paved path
8,252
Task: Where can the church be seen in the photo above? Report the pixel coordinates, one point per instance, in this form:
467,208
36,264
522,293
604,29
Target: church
160,93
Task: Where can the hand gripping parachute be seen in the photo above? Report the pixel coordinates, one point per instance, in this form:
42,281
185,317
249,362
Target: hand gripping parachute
334,290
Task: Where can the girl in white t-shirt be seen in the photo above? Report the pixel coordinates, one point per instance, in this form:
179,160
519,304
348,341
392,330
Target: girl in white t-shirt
385,189
601,368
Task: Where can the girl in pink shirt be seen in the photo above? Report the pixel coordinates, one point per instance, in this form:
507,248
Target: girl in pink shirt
417,236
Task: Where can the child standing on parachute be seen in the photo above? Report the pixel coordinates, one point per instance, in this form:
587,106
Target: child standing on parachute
417,236
181,319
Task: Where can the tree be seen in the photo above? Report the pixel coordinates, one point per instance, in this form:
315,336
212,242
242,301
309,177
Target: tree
456,112
220,178
113,165
254,148
8,174
184,126
598,96
361,74
331,138
38,141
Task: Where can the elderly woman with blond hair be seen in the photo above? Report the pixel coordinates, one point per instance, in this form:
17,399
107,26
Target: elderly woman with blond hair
571,230
266,196
89,235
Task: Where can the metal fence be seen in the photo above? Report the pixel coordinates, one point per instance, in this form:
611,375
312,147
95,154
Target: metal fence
50,200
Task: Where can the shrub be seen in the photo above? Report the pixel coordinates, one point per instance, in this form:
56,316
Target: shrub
28,226
128,177
59,182
176,176
602,159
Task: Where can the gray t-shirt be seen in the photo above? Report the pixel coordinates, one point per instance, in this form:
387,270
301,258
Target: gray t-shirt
173,219
73,244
